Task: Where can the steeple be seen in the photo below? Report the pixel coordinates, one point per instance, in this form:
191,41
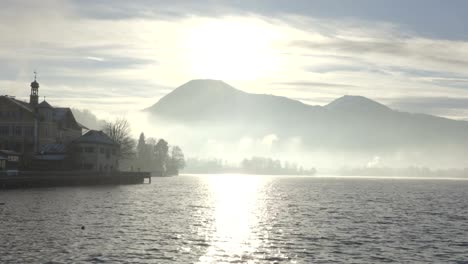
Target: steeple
34,97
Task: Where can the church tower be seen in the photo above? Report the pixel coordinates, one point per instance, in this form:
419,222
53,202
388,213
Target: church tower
34,97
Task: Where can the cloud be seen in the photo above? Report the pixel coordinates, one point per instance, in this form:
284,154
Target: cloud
310,83
145,9
88,50
438,53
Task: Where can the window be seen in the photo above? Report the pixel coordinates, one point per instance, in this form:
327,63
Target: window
29,131
102,150
29,147
18,146
4,130
79,149
89,149
18,131
88,166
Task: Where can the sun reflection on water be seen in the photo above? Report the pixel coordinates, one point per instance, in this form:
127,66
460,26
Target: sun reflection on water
237,201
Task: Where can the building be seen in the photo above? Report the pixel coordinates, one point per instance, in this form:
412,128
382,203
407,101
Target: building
26,128
95,151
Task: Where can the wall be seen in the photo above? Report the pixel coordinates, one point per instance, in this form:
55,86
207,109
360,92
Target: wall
16,127
96,157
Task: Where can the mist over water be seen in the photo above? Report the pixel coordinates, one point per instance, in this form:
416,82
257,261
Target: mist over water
239,219
210,118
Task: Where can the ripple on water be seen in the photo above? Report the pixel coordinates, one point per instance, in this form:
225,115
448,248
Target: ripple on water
211,219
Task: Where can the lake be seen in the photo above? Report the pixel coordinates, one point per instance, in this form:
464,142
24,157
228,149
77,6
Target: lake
239,219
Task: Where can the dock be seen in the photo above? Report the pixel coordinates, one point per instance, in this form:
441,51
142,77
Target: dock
25,179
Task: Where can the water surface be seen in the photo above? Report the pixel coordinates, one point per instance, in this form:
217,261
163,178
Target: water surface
239,219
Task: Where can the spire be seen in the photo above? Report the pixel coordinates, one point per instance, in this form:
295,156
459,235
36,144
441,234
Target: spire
34,97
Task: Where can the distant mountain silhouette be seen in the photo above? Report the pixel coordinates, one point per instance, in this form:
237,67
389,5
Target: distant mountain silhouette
355,104
347,123
216,101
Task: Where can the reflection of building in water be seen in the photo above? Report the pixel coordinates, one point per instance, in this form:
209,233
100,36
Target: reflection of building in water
38,131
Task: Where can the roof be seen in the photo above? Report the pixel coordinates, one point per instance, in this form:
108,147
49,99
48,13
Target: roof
95,137
52,148
82,126
60,113
21,104
9,152
44,104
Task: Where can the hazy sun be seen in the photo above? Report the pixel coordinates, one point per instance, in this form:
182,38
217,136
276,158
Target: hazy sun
231,49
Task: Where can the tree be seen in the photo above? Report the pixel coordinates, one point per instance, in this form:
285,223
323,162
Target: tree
143,157
120,131
161,153
176,161
141,147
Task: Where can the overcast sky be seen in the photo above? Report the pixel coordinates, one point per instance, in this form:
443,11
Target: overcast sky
118,55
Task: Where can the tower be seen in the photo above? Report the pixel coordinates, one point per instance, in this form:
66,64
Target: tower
34,97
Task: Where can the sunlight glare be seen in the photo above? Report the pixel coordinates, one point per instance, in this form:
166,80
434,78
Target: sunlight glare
236,210
232,49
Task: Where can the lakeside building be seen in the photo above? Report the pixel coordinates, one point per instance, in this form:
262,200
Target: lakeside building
95,151
47,137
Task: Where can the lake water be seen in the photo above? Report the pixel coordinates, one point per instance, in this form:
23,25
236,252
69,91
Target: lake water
239,219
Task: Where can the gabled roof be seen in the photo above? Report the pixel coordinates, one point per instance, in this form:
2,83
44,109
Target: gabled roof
19,103
95,137
81,125
44,104
60,114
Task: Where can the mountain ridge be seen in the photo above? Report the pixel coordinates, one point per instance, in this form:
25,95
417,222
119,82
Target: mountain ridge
348,123
210,87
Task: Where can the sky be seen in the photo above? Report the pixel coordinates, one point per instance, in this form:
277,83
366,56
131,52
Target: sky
112,57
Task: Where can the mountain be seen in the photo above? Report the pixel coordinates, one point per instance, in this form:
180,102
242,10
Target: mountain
354,104
216,101
347,124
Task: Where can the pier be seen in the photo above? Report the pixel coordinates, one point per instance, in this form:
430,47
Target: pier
25,179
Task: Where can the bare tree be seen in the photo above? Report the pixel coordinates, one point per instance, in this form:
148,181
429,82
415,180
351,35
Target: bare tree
120,132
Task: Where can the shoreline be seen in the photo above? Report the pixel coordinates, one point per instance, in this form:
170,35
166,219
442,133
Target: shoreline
27,179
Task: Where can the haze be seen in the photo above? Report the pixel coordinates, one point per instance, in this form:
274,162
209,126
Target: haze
119,59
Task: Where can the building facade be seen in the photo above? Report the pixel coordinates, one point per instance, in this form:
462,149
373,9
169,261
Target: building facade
95,151
26,127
